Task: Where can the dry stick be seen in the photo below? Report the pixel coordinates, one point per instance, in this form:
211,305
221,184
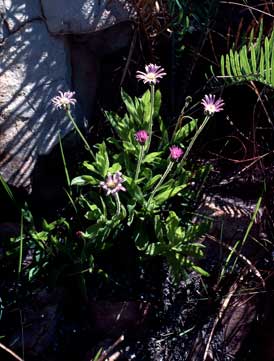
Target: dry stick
247,6
132,46
10,352
253,86
241,256
224,306
107,352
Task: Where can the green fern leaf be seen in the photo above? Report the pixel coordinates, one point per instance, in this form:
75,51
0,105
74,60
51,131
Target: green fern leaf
267,60
262,68
232,62
272,67
227,65
253,59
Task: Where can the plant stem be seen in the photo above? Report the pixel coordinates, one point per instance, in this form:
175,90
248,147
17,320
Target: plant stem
80,133
118,204
140,159
168,169
181,117
152,98
193,140
21,244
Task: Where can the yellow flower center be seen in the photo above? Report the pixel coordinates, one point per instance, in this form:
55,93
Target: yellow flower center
211,108
111,184
151,76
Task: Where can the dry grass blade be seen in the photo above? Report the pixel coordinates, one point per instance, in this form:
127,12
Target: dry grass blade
13,354
247,6
222,310
241,256
105,354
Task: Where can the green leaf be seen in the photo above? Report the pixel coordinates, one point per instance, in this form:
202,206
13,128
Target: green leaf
141,237
116,167
262,67
272,66
152,181
232,62
200,270
227,65
129,103
222,65
102,161
158,228
151,157
172,223
267,60
40,236
94,213
89,166
157,103
168,193
146,108
156,249
131,212
185,131
253,59
134,190
84,180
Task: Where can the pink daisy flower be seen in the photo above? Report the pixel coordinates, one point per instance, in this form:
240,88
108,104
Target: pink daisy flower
175,152
212,106
113,183
141,136
64,100
152,75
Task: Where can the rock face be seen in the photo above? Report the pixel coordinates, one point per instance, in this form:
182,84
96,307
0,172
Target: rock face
19,12
82,16
33,66
37,60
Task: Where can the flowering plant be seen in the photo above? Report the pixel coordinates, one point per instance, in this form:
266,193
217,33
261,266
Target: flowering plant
139,185
138,182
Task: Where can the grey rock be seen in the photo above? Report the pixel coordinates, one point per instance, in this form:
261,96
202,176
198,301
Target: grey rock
33,66
18,12
82,16
91,48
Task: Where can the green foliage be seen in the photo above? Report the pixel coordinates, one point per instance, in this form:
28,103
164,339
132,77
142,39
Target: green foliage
252,62
180,23
136,213
151,212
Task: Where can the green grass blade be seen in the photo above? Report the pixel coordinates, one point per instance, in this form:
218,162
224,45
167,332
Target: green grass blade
7,189
21,243
64,162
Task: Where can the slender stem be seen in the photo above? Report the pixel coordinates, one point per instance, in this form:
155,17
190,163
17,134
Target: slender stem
168,169
178,124
152,98
21,244
140,159
188,100
193,140
118,204
80,133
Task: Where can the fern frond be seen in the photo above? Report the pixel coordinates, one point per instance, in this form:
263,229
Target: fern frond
252,62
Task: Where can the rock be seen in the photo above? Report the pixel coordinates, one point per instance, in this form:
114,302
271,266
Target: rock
114,318
82,16
40,319
230,215
91,48
18,12
33,66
